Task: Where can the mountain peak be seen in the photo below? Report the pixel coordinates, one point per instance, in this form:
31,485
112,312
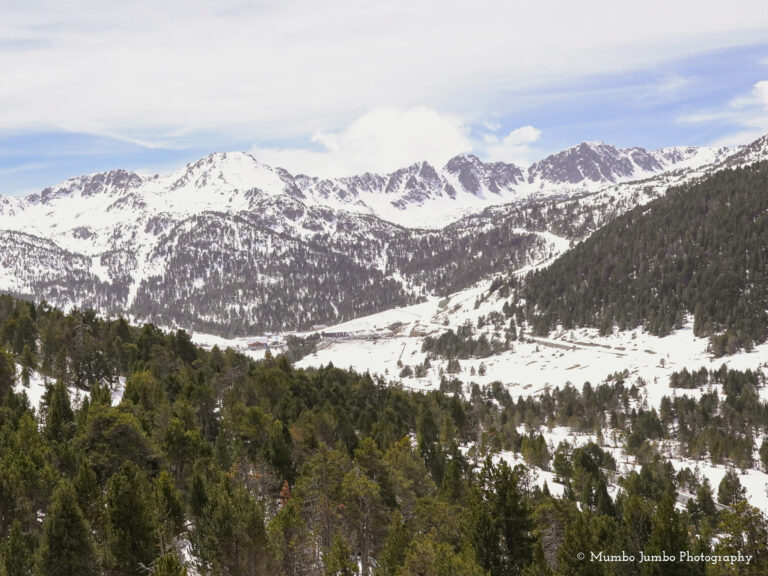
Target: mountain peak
237,170
593,162
111,181
464,159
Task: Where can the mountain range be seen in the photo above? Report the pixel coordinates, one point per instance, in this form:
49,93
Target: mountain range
230,245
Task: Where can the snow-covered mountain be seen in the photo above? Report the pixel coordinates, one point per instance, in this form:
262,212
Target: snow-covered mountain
230,241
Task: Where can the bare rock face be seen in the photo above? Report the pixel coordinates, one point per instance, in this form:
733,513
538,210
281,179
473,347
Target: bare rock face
593,163
476,176
114,182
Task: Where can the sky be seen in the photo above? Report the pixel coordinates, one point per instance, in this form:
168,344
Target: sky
346,86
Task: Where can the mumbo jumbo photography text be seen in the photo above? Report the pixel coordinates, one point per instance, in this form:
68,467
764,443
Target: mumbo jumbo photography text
682,556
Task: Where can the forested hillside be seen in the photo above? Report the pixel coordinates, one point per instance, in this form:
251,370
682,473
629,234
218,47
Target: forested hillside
702,250
212,463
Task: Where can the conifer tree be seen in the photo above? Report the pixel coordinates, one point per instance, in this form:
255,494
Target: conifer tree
705,504
169,507
668,533
66,546
169,565
28,364
18,559
498,522
395,546
60,419
338,560
742,530
7,372
26,331
730,489
764,453
132,520
428,555
364,512
88,492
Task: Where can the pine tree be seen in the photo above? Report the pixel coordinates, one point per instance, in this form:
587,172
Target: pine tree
25,333
18,559
66,546
395,546
88,491
603,502
338,560
730,489
170,509
60,419
743,530
28,364
764,453
705,504
7,372
61,366
289,539
230,534
498,522
169,565
429,556
364,512
132,520
668,533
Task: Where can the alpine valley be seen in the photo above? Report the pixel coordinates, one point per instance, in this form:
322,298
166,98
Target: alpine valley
517,368
230,246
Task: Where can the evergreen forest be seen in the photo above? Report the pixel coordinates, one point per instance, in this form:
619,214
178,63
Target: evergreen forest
212,463
700,250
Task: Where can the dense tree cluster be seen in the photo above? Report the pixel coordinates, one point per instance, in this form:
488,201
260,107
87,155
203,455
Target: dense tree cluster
462,345
259,468
699,250
721,426
263,469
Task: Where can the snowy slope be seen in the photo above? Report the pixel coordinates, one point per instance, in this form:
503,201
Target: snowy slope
218,238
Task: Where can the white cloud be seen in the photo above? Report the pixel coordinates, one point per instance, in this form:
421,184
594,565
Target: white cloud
381,140
745,114
761,93
175,73
514,147
387,139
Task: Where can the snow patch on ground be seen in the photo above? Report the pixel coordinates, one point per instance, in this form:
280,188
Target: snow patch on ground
37,388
